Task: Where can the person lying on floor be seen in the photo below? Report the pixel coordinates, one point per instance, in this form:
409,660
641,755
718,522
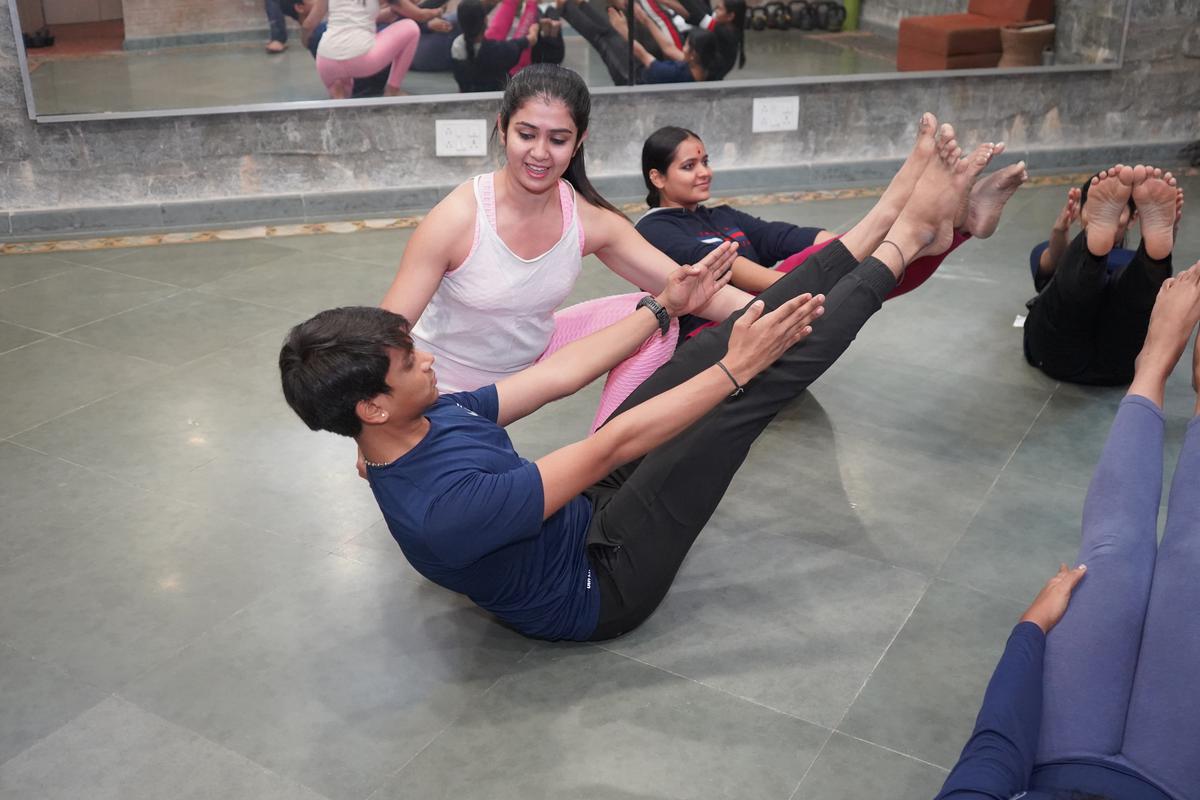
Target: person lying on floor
584,543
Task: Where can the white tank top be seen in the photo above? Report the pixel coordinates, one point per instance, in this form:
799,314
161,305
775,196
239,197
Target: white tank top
351,29
493,315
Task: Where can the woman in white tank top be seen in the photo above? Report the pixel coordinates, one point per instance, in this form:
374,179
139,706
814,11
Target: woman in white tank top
351,48
485,270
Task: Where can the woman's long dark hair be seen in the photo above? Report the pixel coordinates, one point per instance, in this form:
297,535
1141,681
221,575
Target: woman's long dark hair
472,20
706,48
738,9
658,152
552,82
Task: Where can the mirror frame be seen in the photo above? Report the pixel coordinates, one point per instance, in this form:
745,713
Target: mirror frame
370,102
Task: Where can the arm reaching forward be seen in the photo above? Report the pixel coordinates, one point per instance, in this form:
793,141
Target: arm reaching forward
579,363
756,341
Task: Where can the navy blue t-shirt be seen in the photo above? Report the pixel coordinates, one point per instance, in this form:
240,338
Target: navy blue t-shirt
467,512
660,71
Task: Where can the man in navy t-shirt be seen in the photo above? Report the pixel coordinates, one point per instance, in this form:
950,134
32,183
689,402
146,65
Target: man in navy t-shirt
584,543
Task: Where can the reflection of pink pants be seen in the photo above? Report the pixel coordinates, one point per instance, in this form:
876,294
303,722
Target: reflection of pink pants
500,27
397,43
586,318
917,273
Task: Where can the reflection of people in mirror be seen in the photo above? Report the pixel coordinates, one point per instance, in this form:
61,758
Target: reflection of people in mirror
705,55
678,175
1098,699
484,56
276,10
352,48
585,543
1089,319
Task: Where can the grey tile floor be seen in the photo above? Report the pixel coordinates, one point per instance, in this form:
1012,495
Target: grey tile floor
235,74
198,598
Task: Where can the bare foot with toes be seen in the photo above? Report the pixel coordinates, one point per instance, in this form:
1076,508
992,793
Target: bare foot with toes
926,146
1107,197
1175,315
1157,199
986,201
926,225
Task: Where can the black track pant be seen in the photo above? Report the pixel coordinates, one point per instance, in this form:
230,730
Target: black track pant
613,50
647,513
1087,328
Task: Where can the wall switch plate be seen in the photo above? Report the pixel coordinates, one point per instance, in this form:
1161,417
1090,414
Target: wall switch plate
461,137
776,114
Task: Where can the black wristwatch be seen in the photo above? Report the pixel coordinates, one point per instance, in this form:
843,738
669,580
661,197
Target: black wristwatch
660,313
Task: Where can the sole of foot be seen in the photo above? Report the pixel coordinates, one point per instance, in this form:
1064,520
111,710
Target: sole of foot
1108,196
1157,200
988,196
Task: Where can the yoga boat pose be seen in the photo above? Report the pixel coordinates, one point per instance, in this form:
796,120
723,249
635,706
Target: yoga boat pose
676,171
1089,319
1104,706
351,48
584,543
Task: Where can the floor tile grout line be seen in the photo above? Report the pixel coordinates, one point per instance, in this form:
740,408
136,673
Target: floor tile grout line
395,773
909,756
216,513
996,480
245,758
710,687
100,268
871,673
811,764
63,333
44,277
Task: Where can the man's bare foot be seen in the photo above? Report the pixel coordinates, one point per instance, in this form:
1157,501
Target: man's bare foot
929,136
1157,199
1107,197
986,201
1176,313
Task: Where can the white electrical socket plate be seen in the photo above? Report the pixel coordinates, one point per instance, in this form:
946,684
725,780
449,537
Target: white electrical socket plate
773,114
461,137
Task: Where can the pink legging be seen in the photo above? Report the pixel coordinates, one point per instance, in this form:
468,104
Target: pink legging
500,27
917,273
397,43
578,321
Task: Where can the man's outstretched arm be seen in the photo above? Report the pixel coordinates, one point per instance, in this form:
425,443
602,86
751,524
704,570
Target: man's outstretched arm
756,342
579,363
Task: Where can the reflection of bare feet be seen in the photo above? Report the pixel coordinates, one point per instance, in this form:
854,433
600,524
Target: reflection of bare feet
987,198
1157,199
926,225
1107,197
275,46
902,185
394,91
1176,313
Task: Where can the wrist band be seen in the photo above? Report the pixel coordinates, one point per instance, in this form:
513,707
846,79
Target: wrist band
738,388
660,313
899,252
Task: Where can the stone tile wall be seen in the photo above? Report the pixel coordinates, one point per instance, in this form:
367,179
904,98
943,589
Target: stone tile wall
168,19
387,151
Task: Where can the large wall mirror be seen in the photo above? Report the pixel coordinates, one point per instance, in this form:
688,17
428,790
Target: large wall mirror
115,58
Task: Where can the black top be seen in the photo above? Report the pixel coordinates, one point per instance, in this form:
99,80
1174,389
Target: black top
488,71
688,236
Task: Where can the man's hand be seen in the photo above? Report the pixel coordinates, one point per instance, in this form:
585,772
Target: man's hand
690,288
759,339
1051,603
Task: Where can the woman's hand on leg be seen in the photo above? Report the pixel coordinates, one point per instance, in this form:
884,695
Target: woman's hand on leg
1051,603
